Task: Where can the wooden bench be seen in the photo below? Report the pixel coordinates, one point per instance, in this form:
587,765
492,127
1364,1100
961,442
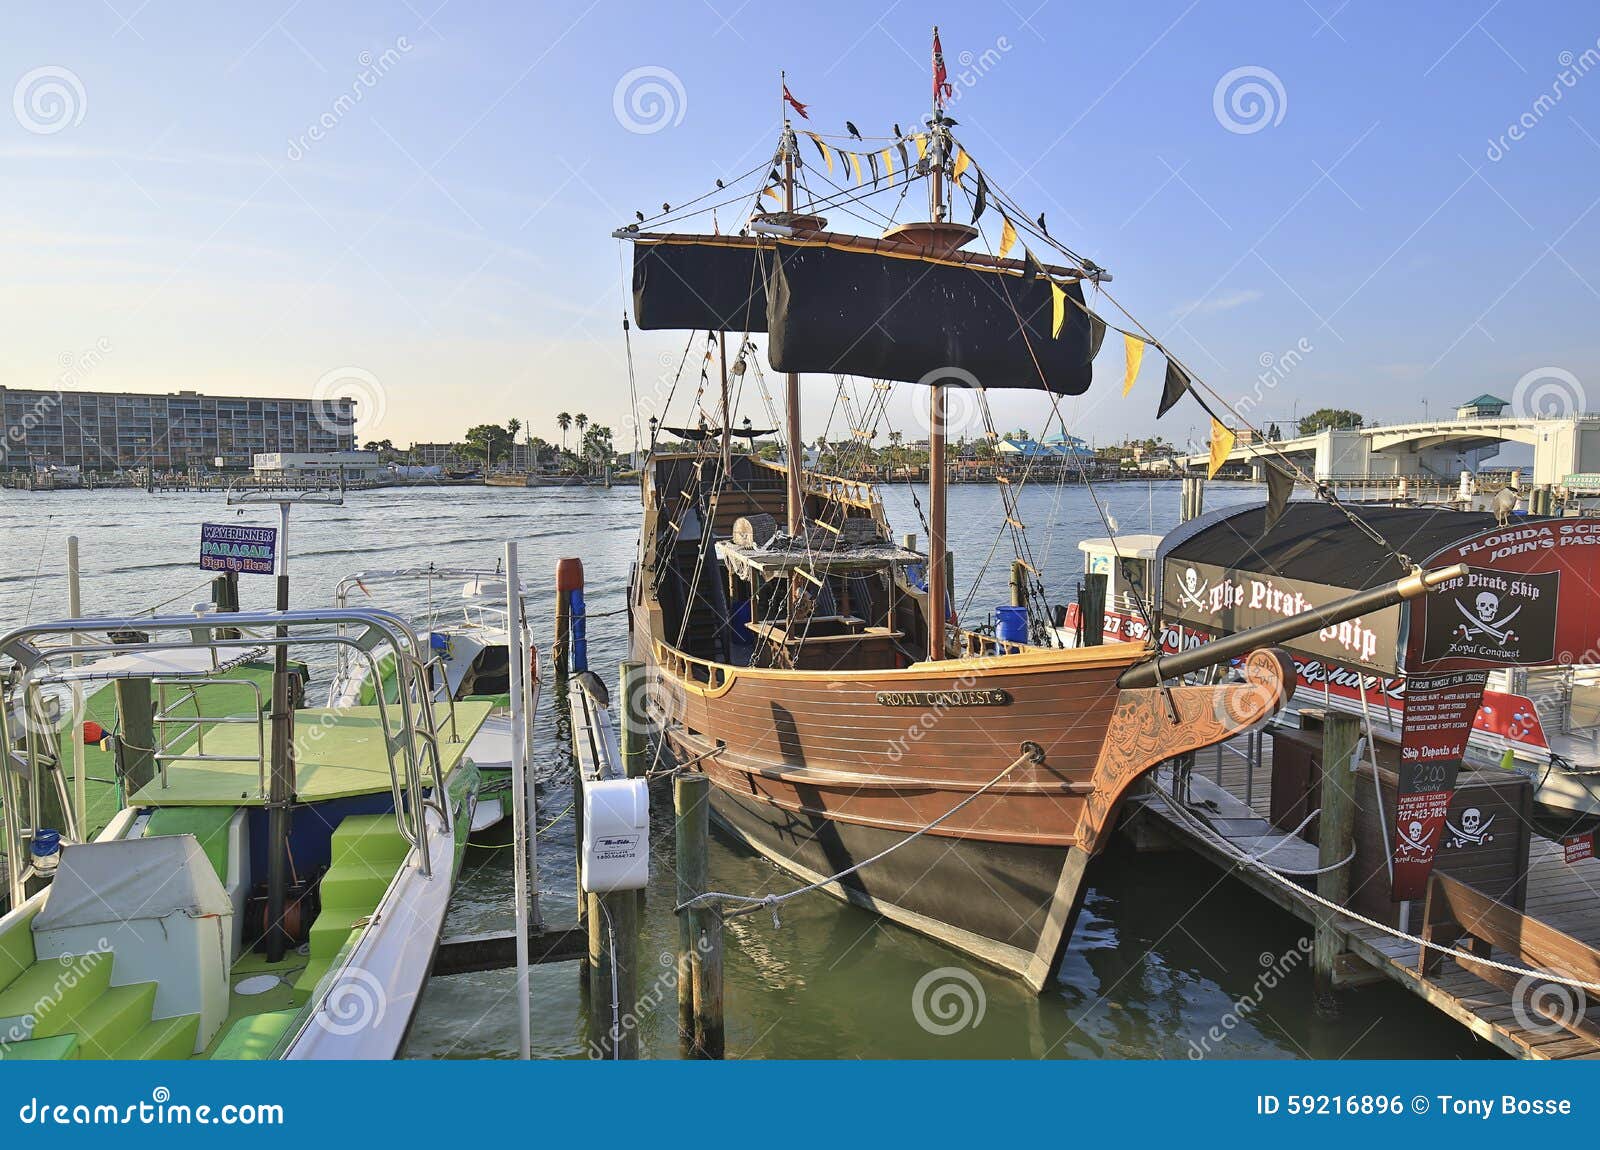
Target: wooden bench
1462,917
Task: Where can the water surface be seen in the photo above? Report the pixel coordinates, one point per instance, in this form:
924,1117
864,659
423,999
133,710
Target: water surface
1170,958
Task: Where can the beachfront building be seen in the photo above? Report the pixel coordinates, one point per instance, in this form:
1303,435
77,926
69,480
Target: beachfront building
110,431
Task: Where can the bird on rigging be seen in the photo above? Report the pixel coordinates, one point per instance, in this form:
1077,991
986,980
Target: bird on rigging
638,215
1042,228
855,133
719,183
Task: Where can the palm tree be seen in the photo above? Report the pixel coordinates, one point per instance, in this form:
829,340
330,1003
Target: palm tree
582,422
513,425
563,421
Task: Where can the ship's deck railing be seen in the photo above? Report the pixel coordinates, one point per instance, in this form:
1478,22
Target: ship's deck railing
692,668
973,644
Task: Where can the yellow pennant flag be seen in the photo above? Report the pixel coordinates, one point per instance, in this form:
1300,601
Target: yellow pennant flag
1058,309
962,162
773,192
855,162
888,164
1221,444
1008,236
827,152
1135,357
922,145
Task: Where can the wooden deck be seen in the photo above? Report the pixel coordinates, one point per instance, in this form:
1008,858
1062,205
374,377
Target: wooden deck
1560,894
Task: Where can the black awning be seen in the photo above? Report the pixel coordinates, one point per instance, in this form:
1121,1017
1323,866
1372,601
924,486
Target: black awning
1316,543
1220,576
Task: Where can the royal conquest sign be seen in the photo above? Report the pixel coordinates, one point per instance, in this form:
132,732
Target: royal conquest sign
993,697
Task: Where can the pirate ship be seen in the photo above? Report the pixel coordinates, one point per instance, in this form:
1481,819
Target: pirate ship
856,733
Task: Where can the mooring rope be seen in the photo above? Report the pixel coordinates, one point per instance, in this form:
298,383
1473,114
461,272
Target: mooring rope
753,903
1245,858
1212,833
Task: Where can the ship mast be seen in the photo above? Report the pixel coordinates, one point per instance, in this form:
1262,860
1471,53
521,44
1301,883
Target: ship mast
791,382
937,564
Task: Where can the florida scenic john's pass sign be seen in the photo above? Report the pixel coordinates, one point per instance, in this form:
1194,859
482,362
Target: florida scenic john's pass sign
238,547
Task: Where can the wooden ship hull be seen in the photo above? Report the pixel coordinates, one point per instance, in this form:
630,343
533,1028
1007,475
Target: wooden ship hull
827,764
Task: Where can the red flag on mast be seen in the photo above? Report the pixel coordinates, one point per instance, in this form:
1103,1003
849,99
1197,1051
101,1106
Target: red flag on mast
793,103
941,86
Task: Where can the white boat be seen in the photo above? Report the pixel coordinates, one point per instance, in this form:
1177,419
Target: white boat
462,625
153,939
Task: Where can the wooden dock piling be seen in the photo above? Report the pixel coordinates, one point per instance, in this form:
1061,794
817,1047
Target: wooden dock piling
700,1018
635,722
613,974
1335,841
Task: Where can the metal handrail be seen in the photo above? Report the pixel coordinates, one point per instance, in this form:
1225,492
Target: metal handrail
443,682
341,591
36,647
164,718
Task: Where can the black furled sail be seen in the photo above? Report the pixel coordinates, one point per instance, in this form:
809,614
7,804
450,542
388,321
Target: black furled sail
700,283
873,309
918,318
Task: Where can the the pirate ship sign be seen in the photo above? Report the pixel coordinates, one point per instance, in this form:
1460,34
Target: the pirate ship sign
1503,618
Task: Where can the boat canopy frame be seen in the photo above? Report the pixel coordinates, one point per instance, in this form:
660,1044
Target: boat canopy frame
411,748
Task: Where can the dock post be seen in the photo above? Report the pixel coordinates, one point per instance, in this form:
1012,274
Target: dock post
635,722
688,793
136,732
1019,584
614,943
80,774
1335,839
700,1021
569,579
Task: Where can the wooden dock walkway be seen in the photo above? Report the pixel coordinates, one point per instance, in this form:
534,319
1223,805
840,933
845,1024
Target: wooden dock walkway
1232,797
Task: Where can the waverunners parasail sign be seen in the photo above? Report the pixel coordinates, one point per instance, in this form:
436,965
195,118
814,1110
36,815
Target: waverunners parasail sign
238,547
1529,598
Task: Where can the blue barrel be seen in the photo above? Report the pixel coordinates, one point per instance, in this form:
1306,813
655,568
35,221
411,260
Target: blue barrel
1011,624
580,631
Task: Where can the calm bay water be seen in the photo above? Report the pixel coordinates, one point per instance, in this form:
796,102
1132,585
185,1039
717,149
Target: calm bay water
1167,948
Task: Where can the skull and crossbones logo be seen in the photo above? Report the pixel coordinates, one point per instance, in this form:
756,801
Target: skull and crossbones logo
1473,831
1414,841
1484,618
1192,588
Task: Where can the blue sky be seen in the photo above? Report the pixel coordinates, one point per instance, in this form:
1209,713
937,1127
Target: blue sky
444,247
